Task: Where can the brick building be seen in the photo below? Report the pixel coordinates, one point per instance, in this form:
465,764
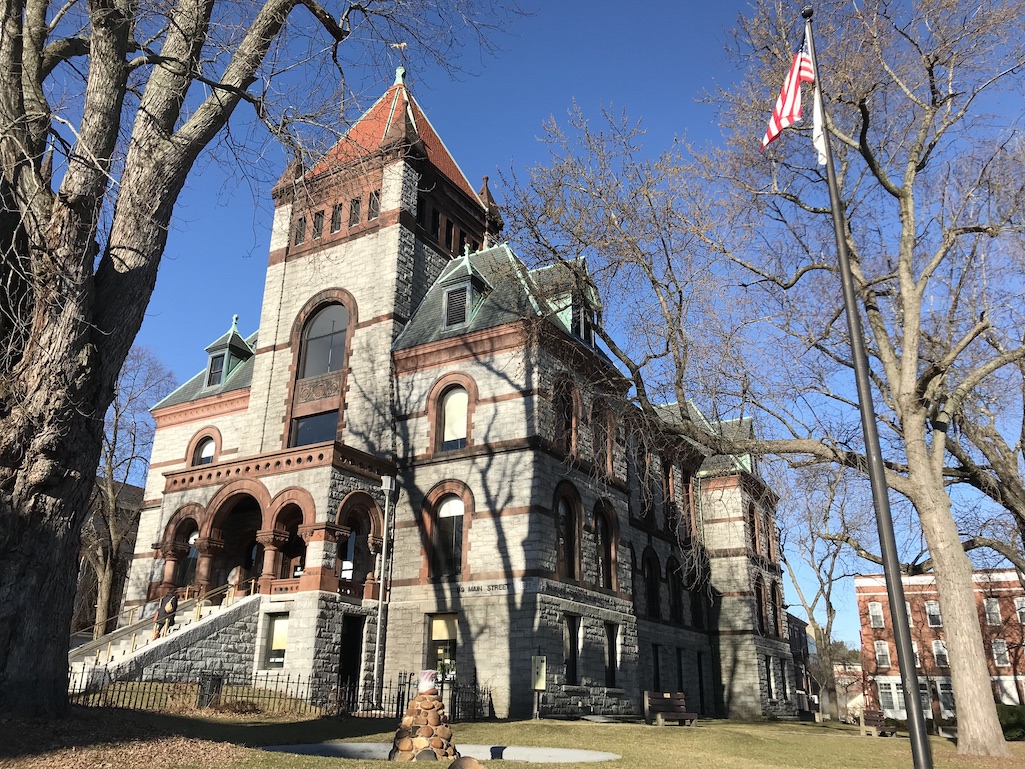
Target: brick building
533,511
1001,604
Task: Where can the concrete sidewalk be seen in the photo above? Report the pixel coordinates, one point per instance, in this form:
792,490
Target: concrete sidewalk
379,751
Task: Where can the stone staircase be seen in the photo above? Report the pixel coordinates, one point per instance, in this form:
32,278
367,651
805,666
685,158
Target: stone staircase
125,651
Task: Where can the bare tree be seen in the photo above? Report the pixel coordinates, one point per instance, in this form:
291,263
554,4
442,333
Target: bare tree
815,504
105,107
124,457
724,260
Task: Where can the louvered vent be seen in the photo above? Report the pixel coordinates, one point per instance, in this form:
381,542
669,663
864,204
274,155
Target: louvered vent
455,307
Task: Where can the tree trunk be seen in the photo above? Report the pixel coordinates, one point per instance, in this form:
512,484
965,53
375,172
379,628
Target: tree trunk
104,587
978,729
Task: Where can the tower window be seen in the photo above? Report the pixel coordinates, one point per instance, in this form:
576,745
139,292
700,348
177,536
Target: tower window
318,224
300,231
336,217
449,230
374,206
315,428
323,346
354,211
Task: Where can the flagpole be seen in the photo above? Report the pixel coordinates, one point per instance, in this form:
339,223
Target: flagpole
920,750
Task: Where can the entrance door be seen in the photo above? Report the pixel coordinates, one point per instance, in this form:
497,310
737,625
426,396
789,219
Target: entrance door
350,649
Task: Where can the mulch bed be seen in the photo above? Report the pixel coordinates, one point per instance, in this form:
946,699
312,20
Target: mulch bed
105,739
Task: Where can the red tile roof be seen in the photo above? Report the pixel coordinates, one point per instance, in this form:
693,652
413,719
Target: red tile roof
396,115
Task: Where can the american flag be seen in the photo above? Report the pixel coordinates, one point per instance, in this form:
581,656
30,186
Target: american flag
788,105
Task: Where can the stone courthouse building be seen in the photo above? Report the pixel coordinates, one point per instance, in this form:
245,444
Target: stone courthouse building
533,514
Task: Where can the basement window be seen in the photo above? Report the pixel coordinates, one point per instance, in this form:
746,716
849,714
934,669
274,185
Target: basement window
277,641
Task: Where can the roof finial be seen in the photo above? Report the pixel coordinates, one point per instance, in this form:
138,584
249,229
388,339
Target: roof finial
234,324
400,75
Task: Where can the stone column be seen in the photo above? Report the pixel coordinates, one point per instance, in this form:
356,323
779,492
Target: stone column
321,553
272,540
372,586
208,548
172,552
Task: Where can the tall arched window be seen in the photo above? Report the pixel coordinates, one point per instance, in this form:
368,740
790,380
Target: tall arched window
760,605
673,577
447,557
652,588
562,402
603,548
777,609
453,408
568,538
323,343
601,438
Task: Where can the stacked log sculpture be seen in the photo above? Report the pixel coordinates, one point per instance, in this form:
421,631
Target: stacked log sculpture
424,733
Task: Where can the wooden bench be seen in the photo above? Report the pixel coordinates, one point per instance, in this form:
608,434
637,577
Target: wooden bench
873,724
660,707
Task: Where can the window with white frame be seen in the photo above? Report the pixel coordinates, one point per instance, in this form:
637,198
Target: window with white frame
907,610
918,658
1000,656
875,614
1019,609
939,653
992,606
932,614
947,696
891,696
882,654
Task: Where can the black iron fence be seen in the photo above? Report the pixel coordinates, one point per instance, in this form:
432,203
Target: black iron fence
273,693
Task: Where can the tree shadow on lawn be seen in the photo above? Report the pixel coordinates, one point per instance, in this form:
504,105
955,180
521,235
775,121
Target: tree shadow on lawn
92,727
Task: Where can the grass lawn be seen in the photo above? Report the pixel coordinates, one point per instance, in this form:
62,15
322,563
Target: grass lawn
113,739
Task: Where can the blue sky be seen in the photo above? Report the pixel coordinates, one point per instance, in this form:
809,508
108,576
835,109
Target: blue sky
653,60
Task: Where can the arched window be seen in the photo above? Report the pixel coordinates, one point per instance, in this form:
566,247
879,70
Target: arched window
323,342
453,416
562,402
601,439
698,605
652,588
675,580
568,523
447,557
753,528
603,551
777,609
204,453
187,565
760,605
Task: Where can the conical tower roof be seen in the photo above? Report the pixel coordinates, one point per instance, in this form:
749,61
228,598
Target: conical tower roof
395,119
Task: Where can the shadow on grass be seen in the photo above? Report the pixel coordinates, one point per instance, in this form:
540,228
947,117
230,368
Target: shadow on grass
92,727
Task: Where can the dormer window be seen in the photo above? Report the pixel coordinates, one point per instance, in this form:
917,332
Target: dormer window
583,321
456,306
216,373
226,355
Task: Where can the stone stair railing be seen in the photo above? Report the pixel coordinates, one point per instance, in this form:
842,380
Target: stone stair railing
125,642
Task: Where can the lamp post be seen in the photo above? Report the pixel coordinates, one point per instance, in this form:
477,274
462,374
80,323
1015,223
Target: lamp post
388,486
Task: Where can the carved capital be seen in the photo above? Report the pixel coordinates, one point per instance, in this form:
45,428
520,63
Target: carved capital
374,544
172,550
272,539
209,545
